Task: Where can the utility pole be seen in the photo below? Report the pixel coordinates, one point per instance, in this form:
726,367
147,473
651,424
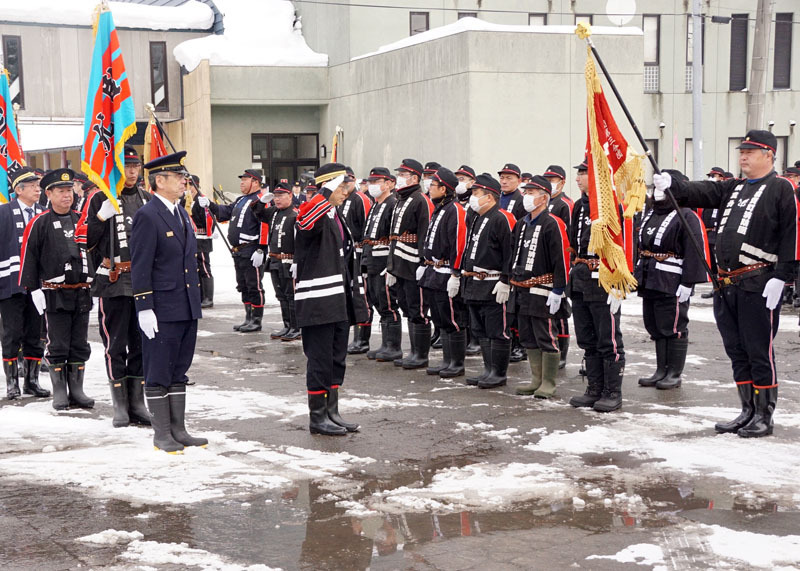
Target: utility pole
697,91
757,92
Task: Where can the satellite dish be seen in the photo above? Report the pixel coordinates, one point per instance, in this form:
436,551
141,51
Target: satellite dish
620,12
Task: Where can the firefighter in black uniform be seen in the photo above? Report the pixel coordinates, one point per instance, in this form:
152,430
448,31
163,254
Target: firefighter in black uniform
281,216
444,247
406,243
167,296
108,236
57,272
310,190
561,206
540,270
21,322
354,211
373,262
596,314
485,270
327,298
428,171
248,239
466,178
204,232
667,271
710,217
757,250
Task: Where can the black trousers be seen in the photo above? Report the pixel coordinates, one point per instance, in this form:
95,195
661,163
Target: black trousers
67,333
119,329
204,264
665,317
284,287
448,313
488,320
562,326
22,326
411,300
538,333
168,356
383,298
597,330
248,281
325,347
748,328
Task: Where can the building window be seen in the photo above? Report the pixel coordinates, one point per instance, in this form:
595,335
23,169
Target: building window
12,53
782,71
583,18
287,157
467,15
418,23
651,25
690,40
738,67
781,154
158,76
537,19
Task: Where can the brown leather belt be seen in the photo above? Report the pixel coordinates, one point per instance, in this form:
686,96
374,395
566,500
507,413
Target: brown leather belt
378,242
404,237
281,256
51,285
593,263
735,276
481,275
119,268
538,280
439,264
658,256
241,247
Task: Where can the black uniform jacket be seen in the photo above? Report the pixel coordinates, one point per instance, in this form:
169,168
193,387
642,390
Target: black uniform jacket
12,229
489,249
444,243
245,231
515,204
375,256
281,235
204,227
410,218
354,211
562,206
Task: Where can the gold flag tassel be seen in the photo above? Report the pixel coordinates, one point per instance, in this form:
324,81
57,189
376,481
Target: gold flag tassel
629,180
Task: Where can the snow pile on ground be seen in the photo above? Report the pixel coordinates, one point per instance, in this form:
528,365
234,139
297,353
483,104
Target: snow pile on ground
257,33
477,487
191,15
155,553
759,550
111,537
640,553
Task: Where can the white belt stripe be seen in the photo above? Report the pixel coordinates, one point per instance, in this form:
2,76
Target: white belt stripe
669,268
413,259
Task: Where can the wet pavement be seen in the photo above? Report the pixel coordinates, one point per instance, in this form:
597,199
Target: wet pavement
390,512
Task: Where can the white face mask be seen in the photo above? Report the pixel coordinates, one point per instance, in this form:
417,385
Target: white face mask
427,184
402,182
475,203
529,202
374,190
712,179
461,188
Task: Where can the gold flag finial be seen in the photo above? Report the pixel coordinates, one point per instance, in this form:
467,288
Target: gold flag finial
584,30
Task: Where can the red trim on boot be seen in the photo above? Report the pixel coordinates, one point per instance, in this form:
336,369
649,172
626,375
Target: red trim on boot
335,386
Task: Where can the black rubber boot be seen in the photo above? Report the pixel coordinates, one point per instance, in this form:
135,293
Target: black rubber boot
501,351
473,345
373,353
518,352
436,338
764,401
333,411
294,332
594,386
676,359
612,390
137,411
30,372
75,386
393,333
207,291
745,390
158,403
11,369
412,343
458,346
119,398
319,423
177,410
563,347
446,357
661,365
248,312
360,344
486,353
421,332
285,317
256,313
58,378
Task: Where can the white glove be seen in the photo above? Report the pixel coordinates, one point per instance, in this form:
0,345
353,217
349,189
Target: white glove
390,280
148,323
37,297
773,291
266,197
106,211
453,286
257,259
334,184
203,201
661,182
614,302
501,292
420,272
683,293
553,302
293,270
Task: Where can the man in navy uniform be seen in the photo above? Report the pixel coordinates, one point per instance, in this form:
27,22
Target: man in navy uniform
166,291
204,224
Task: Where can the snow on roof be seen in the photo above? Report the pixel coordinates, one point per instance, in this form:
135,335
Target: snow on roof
257,33
475,24
191,15
50,135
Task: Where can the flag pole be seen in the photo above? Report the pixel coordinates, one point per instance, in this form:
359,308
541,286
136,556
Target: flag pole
584,32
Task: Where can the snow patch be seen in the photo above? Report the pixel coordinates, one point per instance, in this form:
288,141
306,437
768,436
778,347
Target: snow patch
155,553
640,553
111,537
760,550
